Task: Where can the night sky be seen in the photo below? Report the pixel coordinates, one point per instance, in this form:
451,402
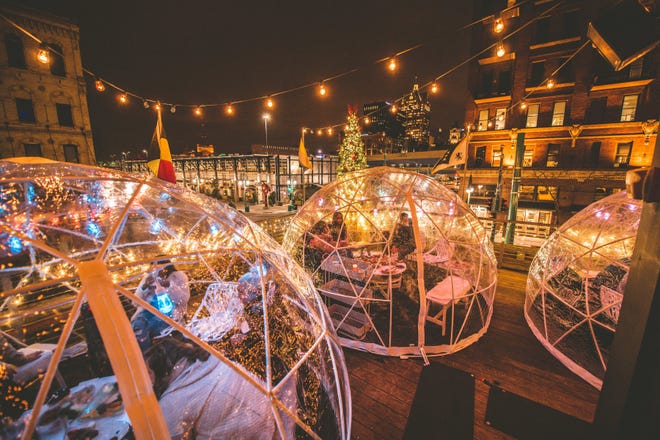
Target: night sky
203,52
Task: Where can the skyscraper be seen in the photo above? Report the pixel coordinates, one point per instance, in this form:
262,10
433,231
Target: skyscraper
415,110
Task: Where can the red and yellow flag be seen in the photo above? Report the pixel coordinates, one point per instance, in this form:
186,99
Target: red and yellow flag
160,158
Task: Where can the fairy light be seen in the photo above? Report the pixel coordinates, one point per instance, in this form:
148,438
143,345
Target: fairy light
330,131
393,108
100,87
434,88
123,98
229,110
145,104
523,105
392,65
550,84
498,26
173,109
320,131
198,111
500,50
42,54
269,103
157,107
367,120
322,90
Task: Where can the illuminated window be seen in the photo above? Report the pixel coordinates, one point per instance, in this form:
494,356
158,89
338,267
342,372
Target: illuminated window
629,108
500,118
480,157
532,115
25,110
558,111
15,53
528,158
552,160
622,156
483,121
546,193
497,158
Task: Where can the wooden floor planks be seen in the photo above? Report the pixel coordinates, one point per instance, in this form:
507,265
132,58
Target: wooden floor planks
509,355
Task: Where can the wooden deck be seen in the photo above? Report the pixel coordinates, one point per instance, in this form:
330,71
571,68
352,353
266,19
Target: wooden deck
508,355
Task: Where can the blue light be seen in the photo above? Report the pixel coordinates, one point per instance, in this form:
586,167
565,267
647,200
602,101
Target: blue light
214,229
93,229
30,194
164,303
15,245
164,197
156,226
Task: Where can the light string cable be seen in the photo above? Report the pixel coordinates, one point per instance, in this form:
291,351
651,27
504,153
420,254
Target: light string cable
256,98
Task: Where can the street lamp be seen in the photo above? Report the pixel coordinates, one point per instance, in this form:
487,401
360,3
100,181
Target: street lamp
266,117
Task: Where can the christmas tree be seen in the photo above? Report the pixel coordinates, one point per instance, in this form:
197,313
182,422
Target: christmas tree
352,156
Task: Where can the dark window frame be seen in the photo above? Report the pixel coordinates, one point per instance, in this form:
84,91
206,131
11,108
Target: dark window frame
64,115
31,148
15,51
71,153
25,110
57,65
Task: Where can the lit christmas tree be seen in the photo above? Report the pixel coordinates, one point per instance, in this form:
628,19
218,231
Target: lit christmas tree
352,156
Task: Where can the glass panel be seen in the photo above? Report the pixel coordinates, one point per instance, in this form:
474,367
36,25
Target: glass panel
558,113
629,108
483,120
533,115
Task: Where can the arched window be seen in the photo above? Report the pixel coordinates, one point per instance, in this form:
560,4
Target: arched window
57,60
15,53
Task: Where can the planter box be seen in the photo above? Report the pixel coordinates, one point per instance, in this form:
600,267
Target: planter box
356,325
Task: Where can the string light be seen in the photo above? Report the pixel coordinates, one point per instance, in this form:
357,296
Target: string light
198,111
434,88
551,83
320,131
123,98
392,65
393,108
322,90
229,110
269,103
100,87
367,120
145,103
500,50
157,107
330,131
42,54
173,109
523,105
499,25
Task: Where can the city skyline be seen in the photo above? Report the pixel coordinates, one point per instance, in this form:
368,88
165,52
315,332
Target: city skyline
205,54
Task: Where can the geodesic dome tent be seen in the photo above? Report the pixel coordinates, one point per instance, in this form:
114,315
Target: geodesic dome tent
576,282
403,264
153,308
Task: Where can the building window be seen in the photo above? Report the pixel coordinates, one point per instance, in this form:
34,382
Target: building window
528,158
532,115
622,157
636,69
558,111
565,74
571,24
480,157
596,111
552,160
537,73
526,192
57,60
594,155
64,115
500,118
497,158
32,149
629,108
542,33
15,53
482,125
25,110
546,193
71,153
504,82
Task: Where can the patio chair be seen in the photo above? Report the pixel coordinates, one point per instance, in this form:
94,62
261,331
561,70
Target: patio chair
446,292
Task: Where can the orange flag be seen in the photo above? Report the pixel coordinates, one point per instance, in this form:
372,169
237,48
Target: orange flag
303,158
160,158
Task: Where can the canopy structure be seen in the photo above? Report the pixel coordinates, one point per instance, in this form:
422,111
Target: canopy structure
403,264
576,283
131,303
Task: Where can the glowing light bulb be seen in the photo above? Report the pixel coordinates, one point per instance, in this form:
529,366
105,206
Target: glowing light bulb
319,132
329,131
392,65
367,120
229,110
500,50
145,104
173,109
42,54
490,123
123,98
157,107
393,108
498,26
523,105
434,88
270,103
551,83
322,90
198,111
99,85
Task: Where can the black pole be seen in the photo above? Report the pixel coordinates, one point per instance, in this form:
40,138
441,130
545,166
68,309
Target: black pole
496,204
515,188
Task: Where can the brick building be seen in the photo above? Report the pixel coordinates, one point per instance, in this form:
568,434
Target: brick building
581,135
44,106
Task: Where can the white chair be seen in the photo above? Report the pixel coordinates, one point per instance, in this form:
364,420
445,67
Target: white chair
451,289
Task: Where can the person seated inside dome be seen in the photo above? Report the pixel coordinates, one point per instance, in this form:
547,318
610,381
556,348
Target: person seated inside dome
339,234
403,239
167,290
318,245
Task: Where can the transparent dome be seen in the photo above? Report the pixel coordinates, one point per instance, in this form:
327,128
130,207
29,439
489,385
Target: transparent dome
403,264
132,304
576,283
